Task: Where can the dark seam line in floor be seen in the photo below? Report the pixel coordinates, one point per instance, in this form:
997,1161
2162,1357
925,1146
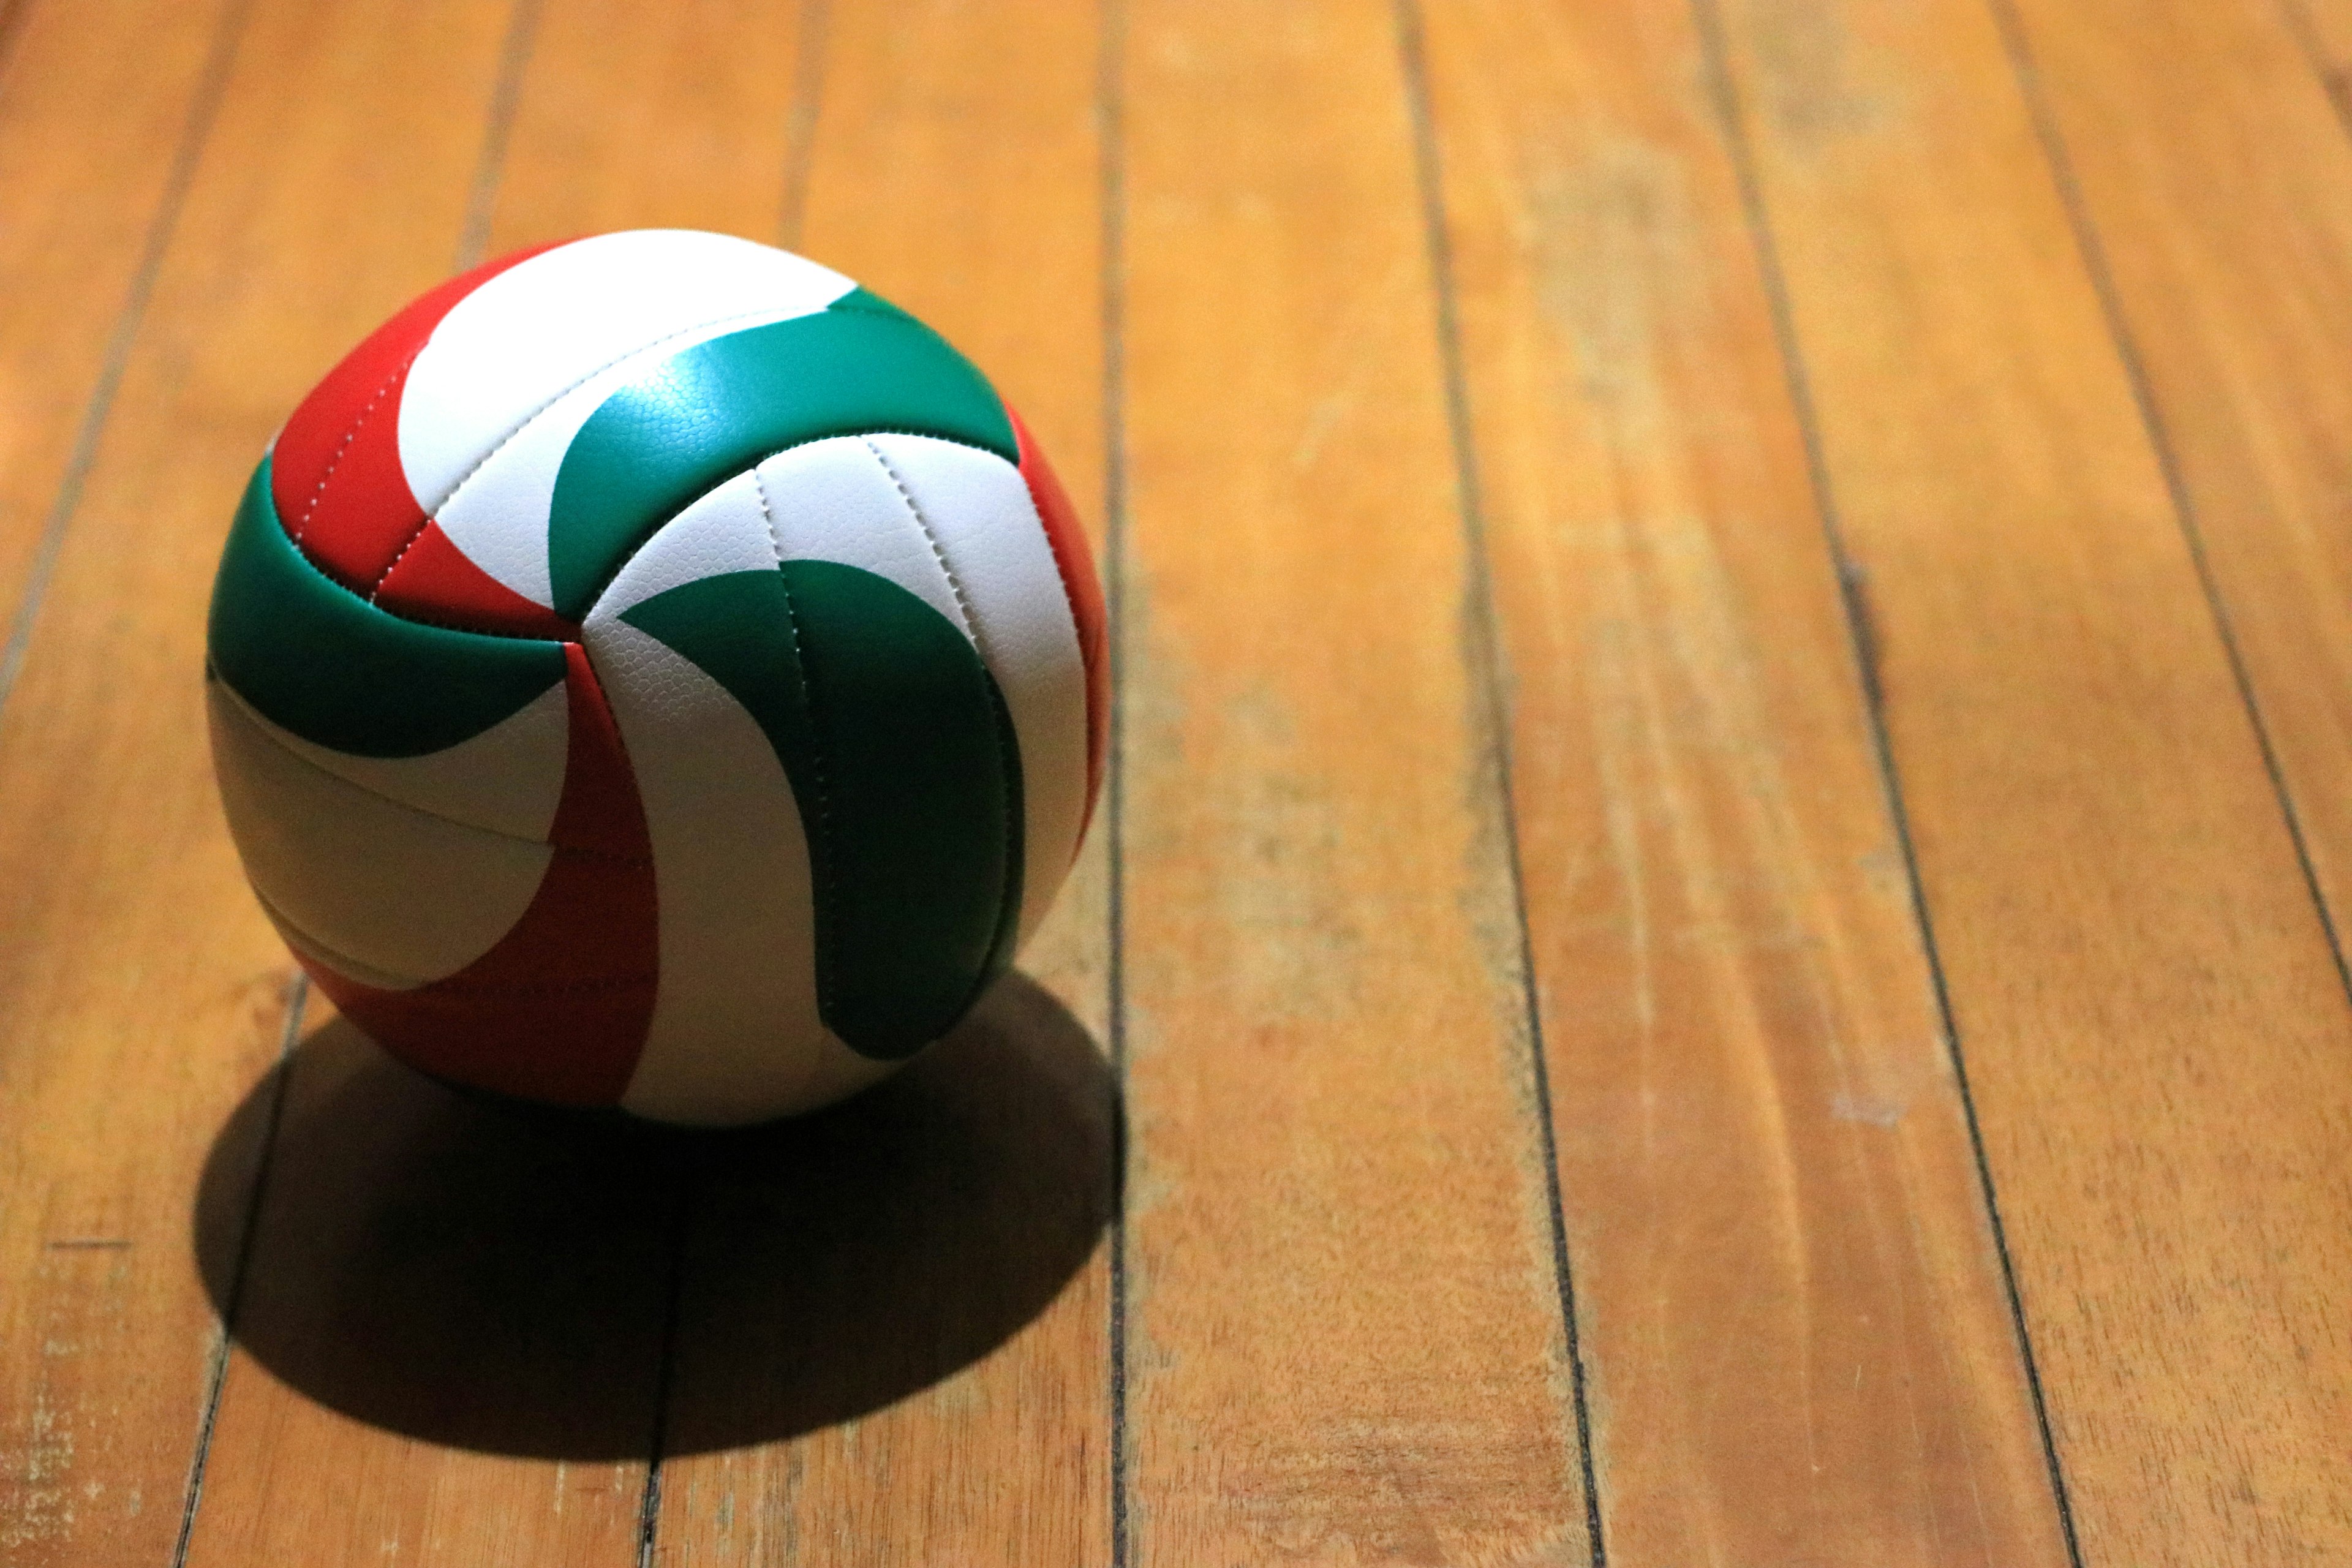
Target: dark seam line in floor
489,167
1715,48
204,108
681,1219
297,994
801,121
1485,656
807,83
1109,126
2095,260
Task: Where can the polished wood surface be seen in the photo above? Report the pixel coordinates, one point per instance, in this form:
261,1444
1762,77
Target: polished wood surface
1749,1076
1341,1299
1718,932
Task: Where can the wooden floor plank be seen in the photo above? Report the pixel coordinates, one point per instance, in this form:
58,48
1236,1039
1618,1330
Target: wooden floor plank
2154,1026
448,1337
469,1312
891,1344
2026,395
1345,1338
1797,1332
2210,167
636,116
147,1002
953,168
91,135
708,82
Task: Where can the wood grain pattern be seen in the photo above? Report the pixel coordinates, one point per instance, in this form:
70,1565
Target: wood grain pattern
142,997
1799,1340
81,115
1345,1341
991,1164
2001,308
448,1338
467,1315
302,172
2202,123
2154,1025
634,116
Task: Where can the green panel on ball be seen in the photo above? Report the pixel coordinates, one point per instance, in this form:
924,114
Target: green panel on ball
717,408
904,763
316,659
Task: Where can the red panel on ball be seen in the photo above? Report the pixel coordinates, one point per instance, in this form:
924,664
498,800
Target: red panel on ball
558,1010
1077,562
435,581
336,473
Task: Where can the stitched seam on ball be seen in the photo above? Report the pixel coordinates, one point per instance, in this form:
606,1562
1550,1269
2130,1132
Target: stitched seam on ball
446,625
318,492
348,964
450,985
955,588
411,616
1087,716
1004,765
533,417
299,937
401,615
1062,575
767,314
826,927
622,565
377,586
262,727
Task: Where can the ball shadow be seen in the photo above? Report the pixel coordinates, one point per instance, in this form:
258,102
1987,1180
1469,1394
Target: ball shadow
491,1278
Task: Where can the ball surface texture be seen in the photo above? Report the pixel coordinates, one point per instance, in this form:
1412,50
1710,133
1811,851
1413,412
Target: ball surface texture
652,671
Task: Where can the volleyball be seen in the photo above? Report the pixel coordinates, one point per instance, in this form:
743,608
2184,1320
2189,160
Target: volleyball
652,671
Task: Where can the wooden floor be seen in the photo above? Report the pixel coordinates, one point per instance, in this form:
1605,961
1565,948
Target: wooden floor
1717,935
